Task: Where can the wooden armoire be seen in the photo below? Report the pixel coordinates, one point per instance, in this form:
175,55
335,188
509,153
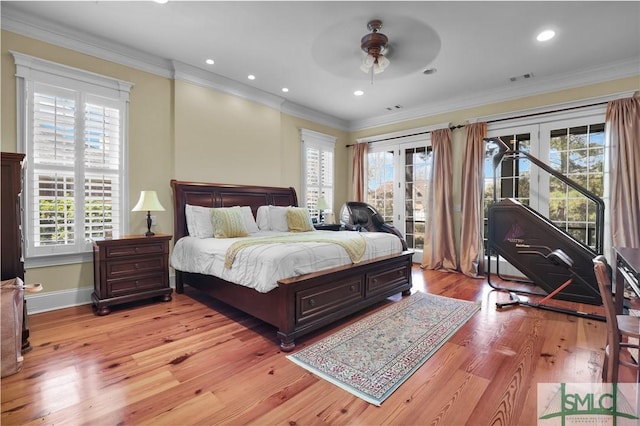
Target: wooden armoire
12,261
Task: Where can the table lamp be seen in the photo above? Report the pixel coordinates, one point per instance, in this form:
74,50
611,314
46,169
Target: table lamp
148,202
322,205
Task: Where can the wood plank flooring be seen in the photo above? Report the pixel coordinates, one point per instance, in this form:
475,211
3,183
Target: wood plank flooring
196,361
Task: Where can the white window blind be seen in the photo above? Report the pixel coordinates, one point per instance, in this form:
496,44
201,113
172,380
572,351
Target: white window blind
317,171
74,134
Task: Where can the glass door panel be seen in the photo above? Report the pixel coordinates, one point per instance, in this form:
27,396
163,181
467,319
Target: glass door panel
417,169
576,151
380,182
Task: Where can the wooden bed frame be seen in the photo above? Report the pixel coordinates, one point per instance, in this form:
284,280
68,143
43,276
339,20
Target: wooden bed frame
299,304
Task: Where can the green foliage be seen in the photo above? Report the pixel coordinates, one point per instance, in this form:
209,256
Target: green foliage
57,219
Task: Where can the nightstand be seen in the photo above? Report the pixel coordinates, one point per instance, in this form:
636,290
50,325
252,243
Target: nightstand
328,226
129,268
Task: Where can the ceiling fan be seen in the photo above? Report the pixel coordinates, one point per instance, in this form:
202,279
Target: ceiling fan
374,45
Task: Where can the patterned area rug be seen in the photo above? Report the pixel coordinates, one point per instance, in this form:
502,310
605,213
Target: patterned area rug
374,356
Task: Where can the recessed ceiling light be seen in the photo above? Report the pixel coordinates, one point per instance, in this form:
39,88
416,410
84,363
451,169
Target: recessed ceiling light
429,71
358,93
251,77
546,35
161,1
210,61
285,89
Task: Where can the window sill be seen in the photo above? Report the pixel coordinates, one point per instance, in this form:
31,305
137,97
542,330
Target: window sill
57,260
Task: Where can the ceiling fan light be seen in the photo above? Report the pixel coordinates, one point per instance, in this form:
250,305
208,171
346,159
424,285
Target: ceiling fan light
367,63
383,62
368,60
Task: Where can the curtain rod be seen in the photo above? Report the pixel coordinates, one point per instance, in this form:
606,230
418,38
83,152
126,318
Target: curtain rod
406,136
497,120
534,114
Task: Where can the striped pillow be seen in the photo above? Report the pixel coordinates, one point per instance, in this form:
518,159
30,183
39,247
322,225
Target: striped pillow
228,222
299,220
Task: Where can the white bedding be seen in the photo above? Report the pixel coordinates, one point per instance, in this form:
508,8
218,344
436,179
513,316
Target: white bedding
261,266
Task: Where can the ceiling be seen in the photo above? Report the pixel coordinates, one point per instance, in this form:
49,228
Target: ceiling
313,48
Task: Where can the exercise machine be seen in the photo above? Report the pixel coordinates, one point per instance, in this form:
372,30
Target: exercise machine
548,256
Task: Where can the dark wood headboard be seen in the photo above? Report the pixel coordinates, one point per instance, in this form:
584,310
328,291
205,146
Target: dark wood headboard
224,195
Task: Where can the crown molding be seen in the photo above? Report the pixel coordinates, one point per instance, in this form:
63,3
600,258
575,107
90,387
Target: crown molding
48,32
43,30
317,117
200,77
538,86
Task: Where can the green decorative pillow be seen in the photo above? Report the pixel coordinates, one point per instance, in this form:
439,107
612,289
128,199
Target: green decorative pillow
228,222
299,220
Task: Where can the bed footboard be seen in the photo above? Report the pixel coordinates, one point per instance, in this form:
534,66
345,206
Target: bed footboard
319,299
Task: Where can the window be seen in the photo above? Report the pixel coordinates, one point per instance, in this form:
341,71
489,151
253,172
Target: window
72,129
317,170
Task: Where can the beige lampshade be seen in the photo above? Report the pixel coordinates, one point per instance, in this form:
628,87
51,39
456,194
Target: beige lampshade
322,204
148,202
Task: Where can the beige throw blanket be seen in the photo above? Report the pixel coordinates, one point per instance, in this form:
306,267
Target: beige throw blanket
355,245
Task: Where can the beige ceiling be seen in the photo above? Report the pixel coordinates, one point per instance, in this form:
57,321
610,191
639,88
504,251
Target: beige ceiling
313,48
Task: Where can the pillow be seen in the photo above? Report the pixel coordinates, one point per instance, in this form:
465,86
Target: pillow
278,218
262,218
198,221
299,220
249,220
228,222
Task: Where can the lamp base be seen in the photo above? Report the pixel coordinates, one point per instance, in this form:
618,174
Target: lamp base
149,233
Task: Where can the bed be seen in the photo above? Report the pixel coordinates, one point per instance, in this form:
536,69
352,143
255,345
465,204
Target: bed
298,304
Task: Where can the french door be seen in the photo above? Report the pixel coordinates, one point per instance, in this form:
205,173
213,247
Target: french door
573,146
397,177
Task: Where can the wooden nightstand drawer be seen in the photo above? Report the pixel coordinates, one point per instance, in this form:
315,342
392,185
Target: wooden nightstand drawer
134,266
130,268
122,286
126,251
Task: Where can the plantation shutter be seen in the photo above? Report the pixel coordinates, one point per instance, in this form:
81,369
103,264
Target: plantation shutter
102,170
53,165
318,158
75,138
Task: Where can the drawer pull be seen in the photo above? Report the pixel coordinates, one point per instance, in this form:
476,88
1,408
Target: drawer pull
352,288
400,272
375,281
135,249
136,266
312,302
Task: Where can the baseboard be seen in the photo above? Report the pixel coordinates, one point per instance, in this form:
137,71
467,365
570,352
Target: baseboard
53,300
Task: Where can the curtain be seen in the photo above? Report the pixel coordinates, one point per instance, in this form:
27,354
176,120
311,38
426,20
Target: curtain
357,174
439,244
472,221
623,117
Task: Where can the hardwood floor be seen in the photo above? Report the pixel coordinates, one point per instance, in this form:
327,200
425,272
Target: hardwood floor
195,361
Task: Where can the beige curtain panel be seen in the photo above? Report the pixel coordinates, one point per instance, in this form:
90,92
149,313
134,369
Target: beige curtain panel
471,227
357,174
623,118
439,244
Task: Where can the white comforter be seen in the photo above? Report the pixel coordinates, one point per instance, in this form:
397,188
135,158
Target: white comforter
261,266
